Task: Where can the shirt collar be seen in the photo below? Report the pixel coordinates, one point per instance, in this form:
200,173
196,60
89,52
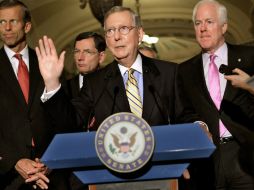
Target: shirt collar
221,53
11,53
137,66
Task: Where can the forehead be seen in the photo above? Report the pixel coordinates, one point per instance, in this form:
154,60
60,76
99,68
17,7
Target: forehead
15,12
85,43
206,11
123,18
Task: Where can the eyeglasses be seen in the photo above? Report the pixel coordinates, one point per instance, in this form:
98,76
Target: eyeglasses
12,22
122,30
87,52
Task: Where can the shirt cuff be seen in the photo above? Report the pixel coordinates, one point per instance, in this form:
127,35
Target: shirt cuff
47,95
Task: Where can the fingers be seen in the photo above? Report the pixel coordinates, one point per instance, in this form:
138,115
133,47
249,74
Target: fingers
46,46
41,184
61,58
186,174
43,177
51,47
36,177
38,163
238,71
40,180
42,46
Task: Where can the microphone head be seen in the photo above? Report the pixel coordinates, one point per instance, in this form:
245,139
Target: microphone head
224,69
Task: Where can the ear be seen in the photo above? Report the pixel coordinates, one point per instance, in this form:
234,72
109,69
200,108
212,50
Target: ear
102,57
28,26
140,34
224,28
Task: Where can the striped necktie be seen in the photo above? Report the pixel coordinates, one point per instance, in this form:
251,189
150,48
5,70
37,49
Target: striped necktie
133,95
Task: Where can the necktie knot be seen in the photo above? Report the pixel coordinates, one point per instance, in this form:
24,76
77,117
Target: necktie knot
130,72
212,58
18,56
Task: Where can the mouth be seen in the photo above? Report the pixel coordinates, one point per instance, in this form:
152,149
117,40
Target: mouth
81,65
8,35
205,37
119,47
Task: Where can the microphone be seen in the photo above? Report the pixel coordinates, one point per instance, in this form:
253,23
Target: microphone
226,70
158,102
116,91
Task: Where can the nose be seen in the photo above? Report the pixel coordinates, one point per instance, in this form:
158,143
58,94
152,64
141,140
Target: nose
7,26
81,55
203,27
117,35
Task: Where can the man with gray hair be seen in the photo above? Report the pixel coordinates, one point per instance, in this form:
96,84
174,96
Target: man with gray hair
221,106
104,93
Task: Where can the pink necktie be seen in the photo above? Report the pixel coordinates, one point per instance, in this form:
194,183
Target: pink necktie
23,76
214,88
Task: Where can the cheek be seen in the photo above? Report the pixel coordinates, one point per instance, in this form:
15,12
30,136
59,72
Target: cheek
109,42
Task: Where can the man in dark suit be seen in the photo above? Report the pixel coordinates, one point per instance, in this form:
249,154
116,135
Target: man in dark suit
104,92
25,130
230,128
89,53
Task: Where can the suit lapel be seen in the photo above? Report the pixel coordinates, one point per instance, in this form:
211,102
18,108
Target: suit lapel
199,78
115,88
233,62
34,76
150,81
10,78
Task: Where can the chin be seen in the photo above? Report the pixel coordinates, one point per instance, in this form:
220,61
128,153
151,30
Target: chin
205,46
120,55
11,45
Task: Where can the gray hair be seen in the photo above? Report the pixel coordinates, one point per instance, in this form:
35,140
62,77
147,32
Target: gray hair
221,10
116,9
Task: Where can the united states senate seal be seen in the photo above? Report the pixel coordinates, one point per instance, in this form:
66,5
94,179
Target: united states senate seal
124,142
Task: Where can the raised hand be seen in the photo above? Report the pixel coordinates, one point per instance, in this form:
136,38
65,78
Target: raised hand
51,66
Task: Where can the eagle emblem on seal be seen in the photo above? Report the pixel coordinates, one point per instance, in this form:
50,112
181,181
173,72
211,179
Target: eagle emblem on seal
123,142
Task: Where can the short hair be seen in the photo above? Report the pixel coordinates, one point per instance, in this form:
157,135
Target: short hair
116,9
99,41
221,10
12,3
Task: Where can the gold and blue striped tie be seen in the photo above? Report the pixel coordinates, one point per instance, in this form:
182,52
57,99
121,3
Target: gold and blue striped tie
133,95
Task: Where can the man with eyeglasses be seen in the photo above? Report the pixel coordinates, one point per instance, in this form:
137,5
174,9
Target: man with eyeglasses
89,53
104,91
